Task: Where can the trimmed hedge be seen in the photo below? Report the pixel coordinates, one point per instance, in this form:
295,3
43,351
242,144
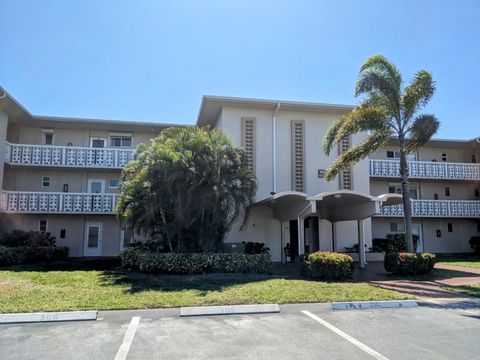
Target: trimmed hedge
327,265
409,263
31,254
195,263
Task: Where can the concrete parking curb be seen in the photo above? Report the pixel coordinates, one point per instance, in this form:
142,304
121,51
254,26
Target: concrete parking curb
48,316
357,305
229,310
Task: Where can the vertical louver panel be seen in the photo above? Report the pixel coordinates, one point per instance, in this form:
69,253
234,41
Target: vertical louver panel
346,175
298,155
248,141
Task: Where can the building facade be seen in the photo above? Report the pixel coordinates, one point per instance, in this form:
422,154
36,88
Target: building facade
62,175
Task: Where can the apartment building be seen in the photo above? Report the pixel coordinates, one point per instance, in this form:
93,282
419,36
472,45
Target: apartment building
62,175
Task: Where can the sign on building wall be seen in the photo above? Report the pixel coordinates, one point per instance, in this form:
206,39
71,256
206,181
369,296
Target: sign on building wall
321,173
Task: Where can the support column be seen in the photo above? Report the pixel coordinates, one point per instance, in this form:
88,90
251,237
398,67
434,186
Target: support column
361,243
3,145
334,236
301,236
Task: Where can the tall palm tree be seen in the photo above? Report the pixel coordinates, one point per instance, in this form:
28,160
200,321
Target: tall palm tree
387,110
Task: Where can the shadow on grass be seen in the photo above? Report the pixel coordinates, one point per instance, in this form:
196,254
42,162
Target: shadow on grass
202,283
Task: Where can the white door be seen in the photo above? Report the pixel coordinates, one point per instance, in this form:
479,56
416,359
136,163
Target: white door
96,186
416,230
125,239
93,239
98,142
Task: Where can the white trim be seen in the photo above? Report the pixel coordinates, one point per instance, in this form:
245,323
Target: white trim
122,240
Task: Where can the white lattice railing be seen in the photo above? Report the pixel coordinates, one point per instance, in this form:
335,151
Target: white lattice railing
436,208
426,169
68,156
57,202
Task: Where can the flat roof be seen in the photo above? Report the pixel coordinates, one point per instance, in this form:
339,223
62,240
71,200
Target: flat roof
211,106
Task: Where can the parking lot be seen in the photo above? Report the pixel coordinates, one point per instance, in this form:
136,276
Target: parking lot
301,331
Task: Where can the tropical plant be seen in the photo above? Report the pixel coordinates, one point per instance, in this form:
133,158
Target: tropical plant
387,110
186,189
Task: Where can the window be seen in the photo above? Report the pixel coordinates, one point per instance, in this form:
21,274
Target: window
435,196
121,141
114,184
397,189
45,181
478,226
477,193
42,226
47,139
474,159
126,238
450,227
396,155
397,227
444,157
447,191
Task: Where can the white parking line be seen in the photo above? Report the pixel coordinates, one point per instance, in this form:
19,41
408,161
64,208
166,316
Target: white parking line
347,337
128,338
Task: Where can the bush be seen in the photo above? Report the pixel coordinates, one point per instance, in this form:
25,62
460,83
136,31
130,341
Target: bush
397,243
409,263
475,244
31,254
327,265
24,238
195,263
255,248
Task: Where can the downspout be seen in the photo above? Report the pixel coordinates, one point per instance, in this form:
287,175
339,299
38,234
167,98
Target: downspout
274,149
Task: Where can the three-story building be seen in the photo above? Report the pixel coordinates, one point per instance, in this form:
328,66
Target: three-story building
62,175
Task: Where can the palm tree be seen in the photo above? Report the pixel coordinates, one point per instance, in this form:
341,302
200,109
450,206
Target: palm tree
387,110
187,189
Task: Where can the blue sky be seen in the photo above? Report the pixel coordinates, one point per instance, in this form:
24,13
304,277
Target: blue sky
153,60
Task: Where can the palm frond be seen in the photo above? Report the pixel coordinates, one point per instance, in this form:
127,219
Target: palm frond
357,153
328,140
362,119
417,94
422,129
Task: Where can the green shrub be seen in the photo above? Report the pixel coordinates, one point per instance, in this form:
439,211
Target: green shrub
397,242
409,263
31,254
475,244
26,238
327,265
195,263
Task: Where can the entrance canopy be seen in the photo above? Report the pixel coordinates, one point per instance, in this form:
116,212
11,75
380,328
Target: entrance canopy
341,205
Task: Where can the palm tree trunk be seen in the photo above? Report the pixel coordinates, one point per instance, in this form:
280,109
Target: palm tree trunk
407,204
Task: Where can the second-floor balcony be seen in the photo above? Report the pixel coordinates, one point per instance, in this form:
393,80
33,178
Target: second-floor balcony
436,208
67,156
57,202
426,170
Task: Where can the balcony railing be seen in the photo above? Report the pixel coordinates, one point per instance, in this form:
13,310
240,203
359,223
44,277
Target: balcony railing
67,156
436,208
57,202
426,170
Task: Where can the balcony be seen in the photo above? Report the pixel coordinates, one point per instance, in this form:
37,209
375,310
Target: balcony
67,156
57,203
426,170
436,208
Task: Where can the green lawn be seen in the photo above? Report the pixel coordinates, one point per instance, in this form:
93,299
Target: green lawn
72,287
473,290
471,261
